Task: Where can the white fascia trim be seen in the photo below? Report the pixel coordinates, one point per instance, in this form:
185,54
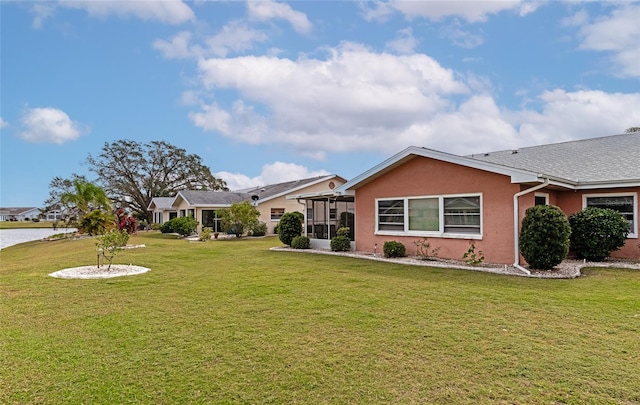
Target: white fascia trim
311,195
313,183
517,175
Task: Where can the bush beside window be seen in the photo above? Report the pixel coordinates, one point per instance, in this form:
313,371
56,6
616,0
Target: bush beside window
596,232
544,237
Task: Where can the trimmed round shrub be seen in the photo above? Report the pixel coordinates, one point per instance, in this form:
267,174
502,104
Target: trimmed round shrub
394,248
340,243
596,232
289,227
183,226
301,242
544,237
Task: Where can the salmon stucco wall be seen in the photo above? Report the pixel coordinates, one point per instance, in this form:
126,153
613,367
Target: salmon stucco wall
428,177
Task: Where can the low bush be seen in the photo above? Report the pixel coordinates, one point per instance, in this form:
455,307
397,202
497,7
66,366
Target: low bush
301,242
544,237
259,229
596,232
205,235
340,243
183,226
394,248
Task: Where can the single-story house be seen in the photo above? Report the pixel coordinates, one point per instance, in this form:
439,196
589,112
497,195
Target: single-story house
19,213
455,201
270,200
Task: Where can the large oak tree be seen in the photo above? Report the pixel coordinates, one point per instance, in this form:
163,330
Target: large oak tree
132,174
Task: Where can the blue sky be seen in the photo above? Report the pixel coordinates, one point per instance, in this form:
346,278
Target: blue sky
271,91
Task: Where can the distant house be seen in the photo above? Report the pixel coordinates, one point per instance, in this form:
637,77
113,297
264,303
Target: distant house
19,213
270,200
481,199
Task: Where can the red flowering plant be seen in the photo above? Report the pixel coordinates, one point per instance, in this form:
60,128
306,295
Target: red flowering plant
126,222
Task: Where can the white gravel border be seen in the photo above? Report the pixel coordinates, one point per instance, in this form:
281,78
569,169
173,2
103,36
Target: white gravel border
566,269
86,272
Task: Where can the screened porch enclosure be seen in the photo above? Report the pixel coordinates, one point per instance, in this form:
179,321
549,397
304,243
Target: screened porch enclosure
325,216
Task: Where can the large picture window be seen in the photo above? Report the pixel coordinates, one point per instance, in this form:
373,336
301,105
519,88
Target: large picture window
424,214
210,219
626,204
450,216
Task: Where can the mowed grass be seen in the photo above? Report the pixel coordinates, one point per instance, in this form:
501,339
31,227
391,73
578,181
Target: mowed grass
30,224
230,321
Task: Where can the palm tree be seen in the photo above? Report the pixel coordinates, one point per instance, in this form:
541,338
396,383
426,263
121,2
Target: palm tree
86,198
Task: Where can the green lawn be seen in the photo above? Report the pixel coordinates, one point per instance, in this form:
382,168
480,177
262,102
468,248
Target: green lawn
230,321
29,224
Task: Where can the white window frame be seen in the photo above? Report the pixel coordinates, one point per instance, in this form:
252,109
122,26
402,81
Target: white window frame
284,210
545,195
437,234
634,195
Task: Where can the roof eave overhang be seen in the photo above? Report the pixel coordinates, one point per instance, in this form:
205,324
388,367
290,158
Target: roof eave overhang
300,187
320,194
516,175
608,184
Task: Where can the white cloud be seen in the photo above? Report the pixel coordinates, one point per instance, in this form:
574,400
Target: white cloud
460,37
41,11
336,104
265,10
617,33
234,37
404,43
277,172
3,123
178,47
472,10
165,11
357,100
49,125
567,115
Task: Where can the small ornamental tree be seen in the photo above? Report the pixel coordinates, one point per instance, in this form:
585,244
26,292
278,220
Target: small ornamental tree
289,227
96,222
110,243
596,232
239,217
544,237
126,222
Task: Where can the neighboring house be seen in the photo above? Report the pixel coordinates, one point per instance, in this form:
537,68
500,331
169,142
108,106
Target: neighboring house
160,207
19,213
481,199
270,200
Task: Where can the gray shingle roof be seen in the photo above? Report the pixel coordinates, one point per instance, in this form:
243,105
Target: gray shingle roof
162,202
597,160
271,190
226,198
201,197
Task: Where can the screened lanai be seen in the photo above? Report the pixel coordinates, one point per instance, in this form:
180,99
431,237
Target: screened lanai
324,215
